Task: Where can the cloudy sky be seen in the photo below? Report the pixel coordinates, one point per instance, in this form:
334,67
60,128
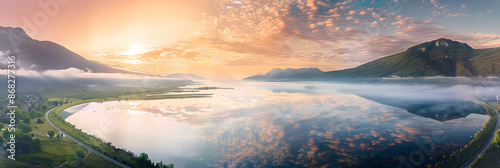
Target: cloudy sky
233,39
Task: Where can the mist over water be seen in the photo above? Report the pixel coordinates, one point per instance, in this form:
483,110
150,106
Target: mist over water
261,124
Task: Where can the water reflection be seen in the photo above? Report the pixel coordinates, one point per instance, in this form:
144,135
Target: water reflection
276,125
444,110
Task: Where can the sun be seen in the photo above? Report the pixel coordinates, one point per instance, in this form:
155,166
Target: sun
134,50
131,55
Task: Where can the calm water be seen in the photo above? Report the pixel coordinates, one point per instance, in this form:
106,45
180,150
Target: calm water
289,125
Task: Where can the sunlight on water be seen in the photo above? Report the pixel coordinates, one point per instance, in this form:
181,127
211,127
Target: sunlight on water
282,124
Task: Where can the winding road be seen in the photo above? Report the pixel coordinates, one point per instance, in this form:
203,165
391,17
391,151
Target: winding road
485,147
80,143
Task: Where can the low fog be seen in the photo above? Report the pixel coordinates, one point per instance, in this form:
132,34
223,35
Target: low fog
445,100
34,81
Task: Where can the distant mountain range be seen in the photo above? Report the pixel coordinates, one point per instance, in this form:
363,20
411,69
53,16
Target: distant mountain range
290,74
441,57
44,55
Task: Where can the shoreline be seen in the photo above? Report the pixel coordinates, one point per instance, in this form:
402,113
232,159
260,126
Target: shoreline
121,156
487,144
467,155
47,118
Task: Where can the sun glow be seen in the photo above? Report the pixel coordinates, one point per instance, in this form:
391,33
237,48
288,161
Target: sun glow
131,54
134,50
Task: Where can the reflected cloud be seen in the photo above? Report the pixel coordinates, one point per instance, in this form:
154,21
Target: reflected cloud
252,126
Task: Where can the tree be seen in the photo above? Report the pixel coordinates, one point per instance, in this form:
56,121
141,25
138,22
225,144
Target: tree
26,118
32,113
51,133
58,136
1,141
36,145
162,165
39,121
144,160
80,154
44,107
159,164
25,127
39,114
143,156
1,126
23,143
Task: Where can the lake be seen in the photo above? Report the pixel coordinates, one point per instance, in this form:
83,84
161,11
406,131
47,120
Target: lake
259,124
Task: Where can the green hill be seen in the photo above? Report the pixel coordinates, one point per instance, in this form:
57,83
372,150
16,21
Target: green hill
441,57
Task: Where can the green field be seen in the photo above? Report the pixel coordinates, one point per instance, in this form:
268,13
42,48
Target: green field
117,93
491,158
53,153
89,140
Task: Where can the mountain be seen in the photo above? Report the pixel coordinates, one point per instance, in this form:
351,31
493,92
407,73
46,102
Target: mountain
186,76
44,55
441,57
290,74
440,110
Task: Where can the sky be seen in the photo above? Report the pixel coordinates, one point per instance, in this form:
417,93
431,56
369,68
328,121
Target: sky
234,39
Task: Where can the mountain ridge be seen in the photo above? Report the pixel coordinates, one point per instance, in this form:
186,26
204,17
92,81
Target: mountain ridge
45,55
287,73
440,57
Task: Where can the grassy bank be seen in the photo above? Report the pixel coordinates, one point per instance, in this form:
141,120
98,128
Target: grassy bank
54,152
491,158
62,152
89,140
463,155
106,148
123,93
